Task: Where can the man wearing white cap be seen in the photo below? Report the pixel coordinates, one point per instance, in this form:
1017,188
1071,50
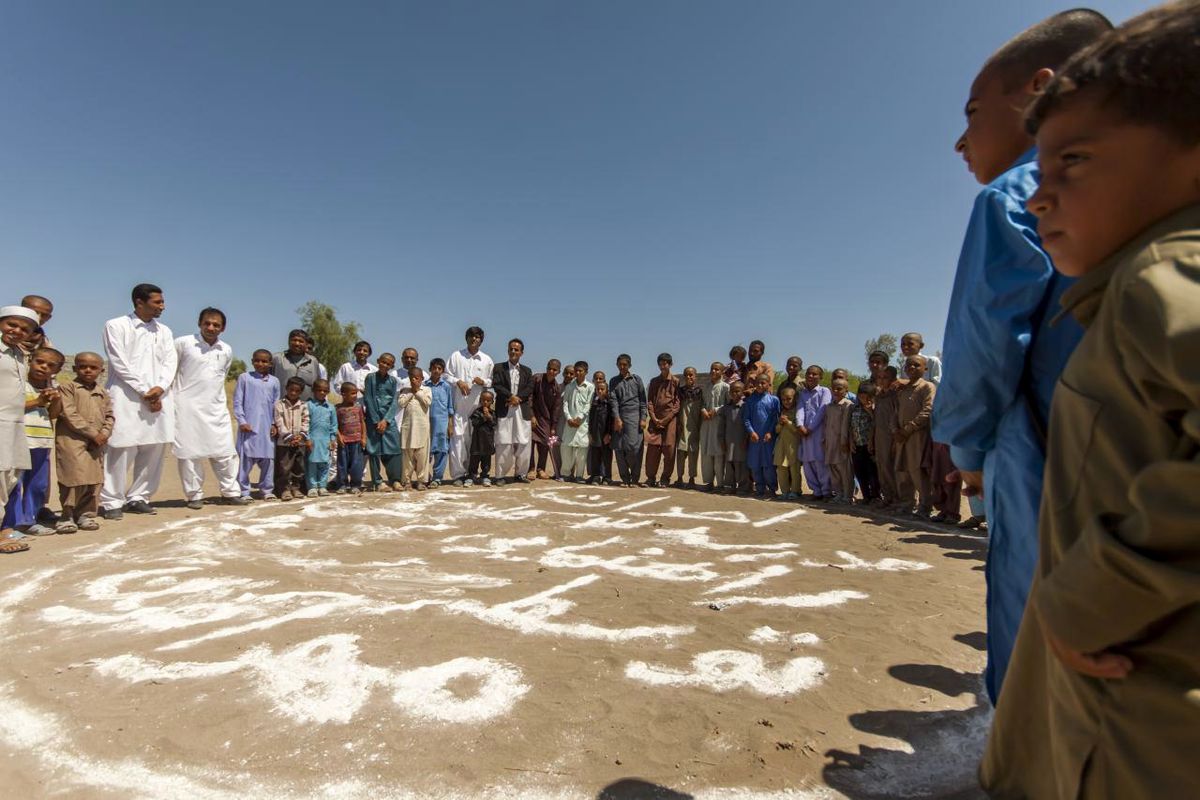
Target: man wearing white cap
141,366
16,323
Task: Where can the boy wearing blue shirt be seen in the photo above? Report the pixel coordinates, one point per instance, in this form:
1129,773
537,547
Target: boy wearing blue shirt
441,420
1002,354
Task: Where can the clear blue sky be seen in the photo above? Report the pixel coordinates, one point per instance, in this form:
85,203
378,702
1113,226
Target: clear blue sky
593,177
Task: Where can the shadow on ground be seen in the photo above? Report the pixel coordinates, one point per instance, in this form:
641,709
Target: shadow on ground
937,752
638,789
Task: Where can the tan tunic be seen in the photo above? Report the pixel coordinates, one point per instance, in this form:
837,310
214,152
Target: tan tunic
85,413
689,420
414,427
1119,534
837,431
662,401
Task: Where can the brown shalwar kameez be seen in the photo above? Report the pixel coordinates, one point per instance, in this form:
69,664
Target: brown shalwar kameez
662,403
547,410
914,403
1119,561
78,461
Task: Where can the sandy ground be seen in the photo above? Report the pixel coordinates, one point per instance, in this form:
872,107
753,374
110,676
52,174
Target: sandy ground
551,641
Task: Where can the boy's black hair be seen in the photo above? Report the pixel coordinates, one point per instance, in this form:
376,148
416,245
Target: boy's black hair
350,384
841,369
474,330
61,357
437,362
319,380
866,389
211,312
385,355
298,332
411,370
270,355
737,348
35,298
89,354
554,362
360,343
878,354
817,367
518,341
1147,70
295,380
143,291
664,357
1046,45
625,357
582,363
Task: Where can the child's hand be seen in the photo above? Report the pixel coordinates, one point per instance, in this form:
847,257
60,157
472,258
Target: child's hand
309,446
274,431
753,436
381,426
100,439
618,425
245,427
767,437
608,438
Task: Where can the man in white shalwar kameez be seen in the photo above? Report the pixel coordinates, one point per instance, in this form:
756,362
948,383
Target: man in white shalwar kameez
471,371
141,367
512,383
202,427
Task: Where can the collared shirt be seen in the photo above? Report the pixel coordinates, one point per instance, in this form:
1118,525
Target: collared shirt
290,419
463,365
201,415
352,372
39,432
141,356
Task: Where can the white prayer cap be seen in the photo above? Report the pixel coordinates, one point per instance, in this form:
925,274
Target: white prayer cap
20,311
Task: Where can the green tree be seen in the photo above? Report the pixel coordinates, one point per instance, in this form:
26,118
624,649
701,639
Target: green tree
887,342
334,340
236,368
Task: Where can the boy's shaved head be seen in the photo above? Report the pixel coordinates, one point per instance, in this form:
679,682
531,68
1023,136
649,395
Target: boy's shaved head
1046,45
88,355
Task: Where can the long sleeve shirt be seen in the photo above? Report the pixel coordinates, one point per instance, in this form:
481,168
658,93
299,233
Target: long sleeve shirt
577,402
254,398
291,420
141,356
201,415
465,366
810,414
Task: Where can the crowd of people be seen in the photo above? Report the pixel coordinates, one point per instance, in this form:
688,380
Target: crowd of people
743,429
1070,404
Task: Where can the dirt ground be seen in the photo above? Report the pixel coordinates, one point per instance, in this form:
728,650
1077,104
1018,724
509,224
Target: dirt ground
549,641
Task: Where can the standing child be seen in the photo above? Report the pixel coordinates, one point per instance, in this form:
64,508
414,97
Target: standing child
42,406
736,367
441,420
254,398
351,436
568,378
322,438
415,400
577,404
483,440
16,324
547,408
862,445
627,406
662,405
732,435
600,452
810,419
44,310
84,425
1102,698
791,377
687,444
787,447
291,439
760,415
886,409
914,402
383,436
837,442
712,455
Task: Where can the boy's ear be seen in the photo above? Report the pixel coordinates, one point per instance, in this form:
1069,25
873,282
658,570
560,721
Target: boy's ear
1039,81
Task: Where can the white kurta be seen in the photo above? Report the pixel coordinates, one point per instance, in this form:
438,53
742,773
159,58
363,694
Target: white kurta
513,428
14,448
141,355
577,403
351,372
462,366
202,422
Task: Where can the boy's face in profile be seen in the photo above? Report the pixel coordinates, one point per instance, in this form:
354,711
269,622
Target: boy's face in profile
262,363
1104,181
914,368
88,369
349,393
995,136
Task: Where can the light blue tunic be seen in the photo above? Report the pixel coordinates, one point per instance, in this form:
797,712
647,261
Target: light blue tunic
441,408
322,427
254,398
1002,357
810,412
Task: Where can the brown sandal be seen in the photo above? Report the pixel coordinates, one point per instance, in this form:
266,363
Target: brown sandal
13,546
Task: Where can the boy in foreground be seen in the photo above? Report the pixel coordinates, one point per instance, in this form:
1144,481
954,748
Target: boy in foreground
1101,694
1002,355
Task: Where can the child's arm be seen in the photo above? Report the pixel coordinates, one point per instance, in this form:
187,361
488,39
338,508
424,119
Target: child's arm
921,420
304,420
424,398
281,428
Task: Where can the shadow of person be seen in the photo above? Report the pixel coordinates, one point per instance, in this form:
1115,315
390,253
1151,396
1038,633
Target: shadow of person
638,789
976,639
950,682
965,547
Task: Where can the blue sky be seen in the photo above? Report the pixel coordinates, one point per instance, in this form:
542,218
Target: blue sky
592,177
